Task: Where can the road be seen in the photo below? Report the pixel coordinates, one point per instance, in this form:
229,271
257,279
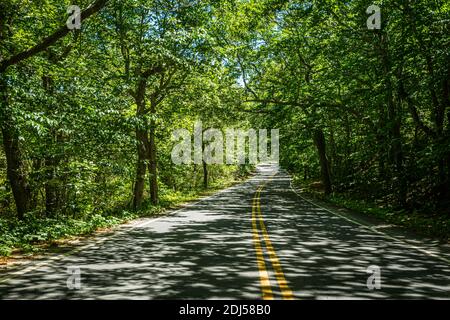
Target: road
256,240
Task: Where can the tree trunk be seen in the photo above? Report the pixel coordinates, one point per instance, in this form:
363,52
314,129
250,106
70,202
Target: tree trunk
51,161
205,175
51,187
319,141
15,167
152,159
394,126
152,166
141,168
446,101
396,147
141,144
205,168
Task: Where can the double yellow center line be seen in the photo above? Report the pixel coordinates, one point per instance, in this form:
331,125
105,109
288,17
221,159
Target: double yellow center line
266,287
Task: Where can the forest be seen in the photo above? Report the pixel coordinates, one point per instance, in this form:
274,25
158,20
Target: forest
87,111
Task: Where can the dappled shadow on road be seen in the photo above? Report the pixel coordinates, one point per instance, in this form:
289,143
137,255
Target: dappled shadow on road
326,257
206,251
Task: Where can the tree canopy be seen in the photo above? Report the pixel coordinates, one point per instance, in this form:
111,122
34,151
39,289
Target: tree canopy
87,114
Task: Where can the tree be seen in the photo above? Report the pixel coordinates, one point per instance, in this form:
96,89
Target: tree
16,169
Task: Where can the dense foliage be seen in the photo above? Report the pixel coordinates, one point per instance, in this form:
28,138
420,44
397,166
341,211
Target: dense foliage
367,110
87,115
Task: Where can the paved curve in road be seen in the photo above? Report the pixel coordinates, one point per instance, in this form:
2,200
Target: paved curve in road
255,240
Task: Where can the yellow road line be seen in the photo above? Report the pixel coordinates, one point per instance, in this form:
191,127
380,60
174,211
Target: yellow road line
263,274
286,292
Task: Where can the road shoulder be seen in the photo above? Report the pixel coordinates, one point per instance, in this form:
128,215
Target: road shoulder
433,247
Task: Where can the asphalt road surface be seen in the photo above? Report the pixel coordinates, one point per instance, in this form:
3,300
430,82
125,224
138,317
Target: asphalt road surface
256,240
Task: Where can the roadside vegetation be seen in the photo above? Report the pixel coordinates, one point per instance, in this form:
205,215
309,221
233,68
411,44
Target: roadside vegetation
430,224
35,233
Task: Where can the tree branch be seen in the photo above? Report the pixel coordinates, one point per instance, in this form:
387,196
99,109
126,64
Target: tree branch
412,109
51,39
270,101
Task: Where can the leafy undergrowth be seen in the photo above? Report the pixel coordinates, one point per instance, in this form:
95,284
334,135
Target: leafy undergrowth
33,234
436,225
29,234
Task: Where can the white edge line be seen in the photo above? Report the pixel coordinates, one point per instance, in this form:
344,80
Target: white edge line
434,255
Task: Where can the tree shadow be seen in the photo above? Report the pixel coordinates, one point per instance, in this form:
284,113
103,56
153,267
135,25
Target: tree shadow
205,251
326,256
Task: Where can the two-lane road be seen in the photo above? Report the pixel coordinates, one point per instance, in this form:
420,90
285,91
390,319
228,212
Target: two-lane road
255,240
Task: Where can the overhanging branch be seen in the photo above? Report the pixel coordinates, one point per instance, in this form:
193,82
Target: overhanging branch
51,39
